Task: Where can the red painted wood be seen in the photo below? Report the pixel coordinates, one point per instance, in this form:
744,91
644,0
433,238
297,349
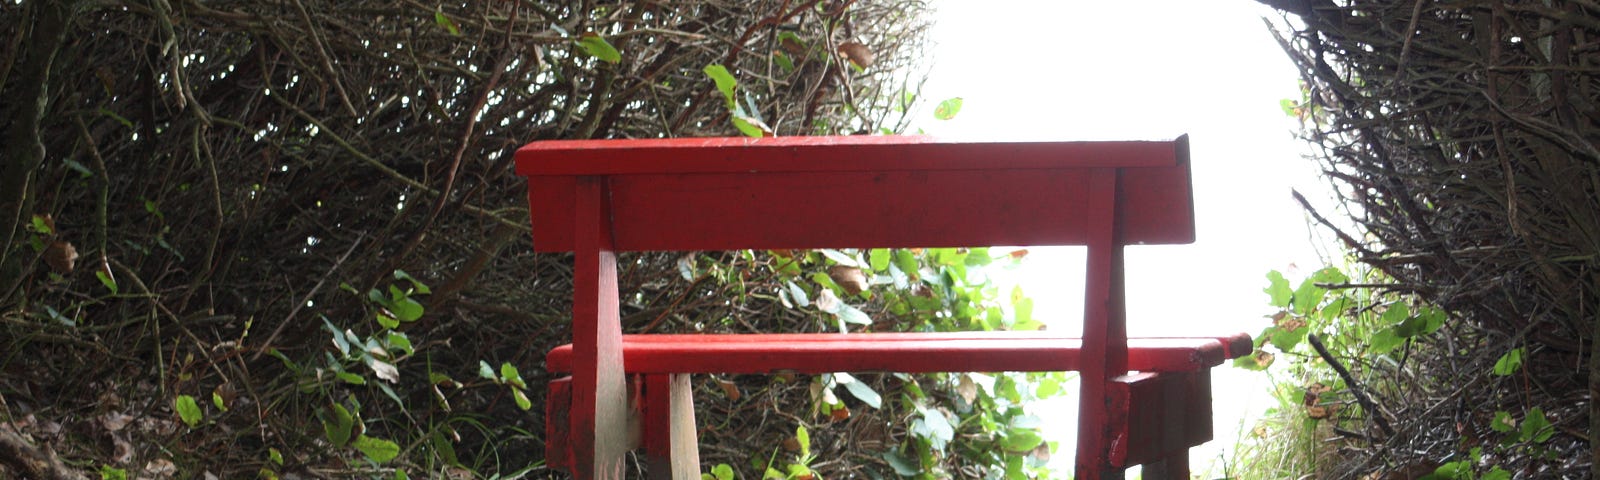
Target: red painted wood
862,153
599,409
898,352
862,191
1105,334
558,453
1154,417
599,197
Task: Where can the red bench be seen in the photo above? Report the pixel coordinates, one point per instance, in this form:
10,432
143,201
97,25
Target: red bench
598,197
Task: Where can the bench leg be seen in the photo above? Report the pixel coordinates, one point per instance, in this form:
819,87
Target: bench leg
1105,332
671,441
1174,467
599,398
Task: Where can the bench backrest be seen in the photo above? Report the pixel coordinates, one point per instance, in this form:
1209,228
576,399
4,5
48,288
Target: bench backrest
857,191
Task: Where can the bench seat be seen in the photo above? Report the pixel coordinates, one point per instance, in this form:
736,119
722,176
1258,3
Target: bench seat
813,353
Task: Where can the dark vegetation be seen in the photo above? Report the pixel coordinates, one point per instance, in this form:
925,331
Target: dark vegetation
283,238
1461,142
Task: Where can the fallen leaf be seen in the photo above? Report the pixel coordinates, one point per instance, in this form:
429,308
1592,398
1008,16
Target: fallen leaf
729,389
384,370
61,256
967,389
848,277
857,53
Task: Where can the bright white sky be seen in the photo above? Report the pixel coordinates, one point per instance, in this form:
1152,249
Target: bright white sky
1147,70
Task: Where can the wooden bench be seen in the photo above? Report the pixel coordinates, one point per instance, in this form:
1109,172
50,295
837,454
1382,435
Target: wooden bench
599,197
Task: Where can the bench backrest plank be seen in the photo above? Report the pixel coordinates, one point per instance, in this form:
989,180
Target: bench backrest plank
858,191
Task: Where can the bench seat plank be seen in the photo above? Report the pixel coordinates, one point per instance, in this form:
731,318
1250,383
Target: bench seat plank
897,352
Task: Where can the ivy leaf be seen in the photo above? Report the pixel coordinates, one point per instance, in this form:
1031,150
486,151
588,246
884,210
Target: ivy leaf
1536,427
1278,289
1502,422
377,449
188,410
853,315
597,47
948,109
864,393
1021,440
446,23
722,472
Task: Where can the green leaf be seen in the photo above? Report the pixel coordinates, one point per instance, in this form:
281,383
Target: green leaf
522,399
1502,422
597,47
216,400
1496,473
275,456
1509,363
801,299
783,61
803,437
907,262
1286,340
1021,440
879,259
377,449
107,280
1536,427
41,225
446,23
339,427
1278,289
722,472
401,475
188,410
108,472
934,427
1308,296
420,287
405,309
351,378
948,109
401,341
387,321
509,374
864,393
903,466
854,315
443,448
1386,340
725,82
750,127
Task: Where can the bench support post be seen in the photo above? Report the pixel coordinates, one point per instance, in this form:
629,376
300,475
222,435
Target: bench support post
1105,331
599,397
671,441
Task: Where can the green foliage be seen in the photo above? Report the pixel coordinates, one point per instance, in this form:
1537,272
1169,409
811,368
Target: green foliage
748,123
1509,363
597,47
188,410
108,472
948,109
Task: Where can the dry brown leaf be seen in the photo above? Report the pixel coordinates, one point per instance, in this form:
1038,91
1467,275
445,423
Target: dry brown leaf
848,277
61,256
857,53
729,389
967,389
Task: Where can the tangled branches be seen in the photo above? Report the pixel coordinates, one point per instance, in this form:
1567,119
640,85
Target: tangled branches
1461,139
228,175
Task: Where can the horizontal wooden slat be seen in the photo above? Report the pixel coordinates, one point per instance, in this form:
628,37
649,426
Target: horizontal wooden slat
856,153
725,194
897,352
